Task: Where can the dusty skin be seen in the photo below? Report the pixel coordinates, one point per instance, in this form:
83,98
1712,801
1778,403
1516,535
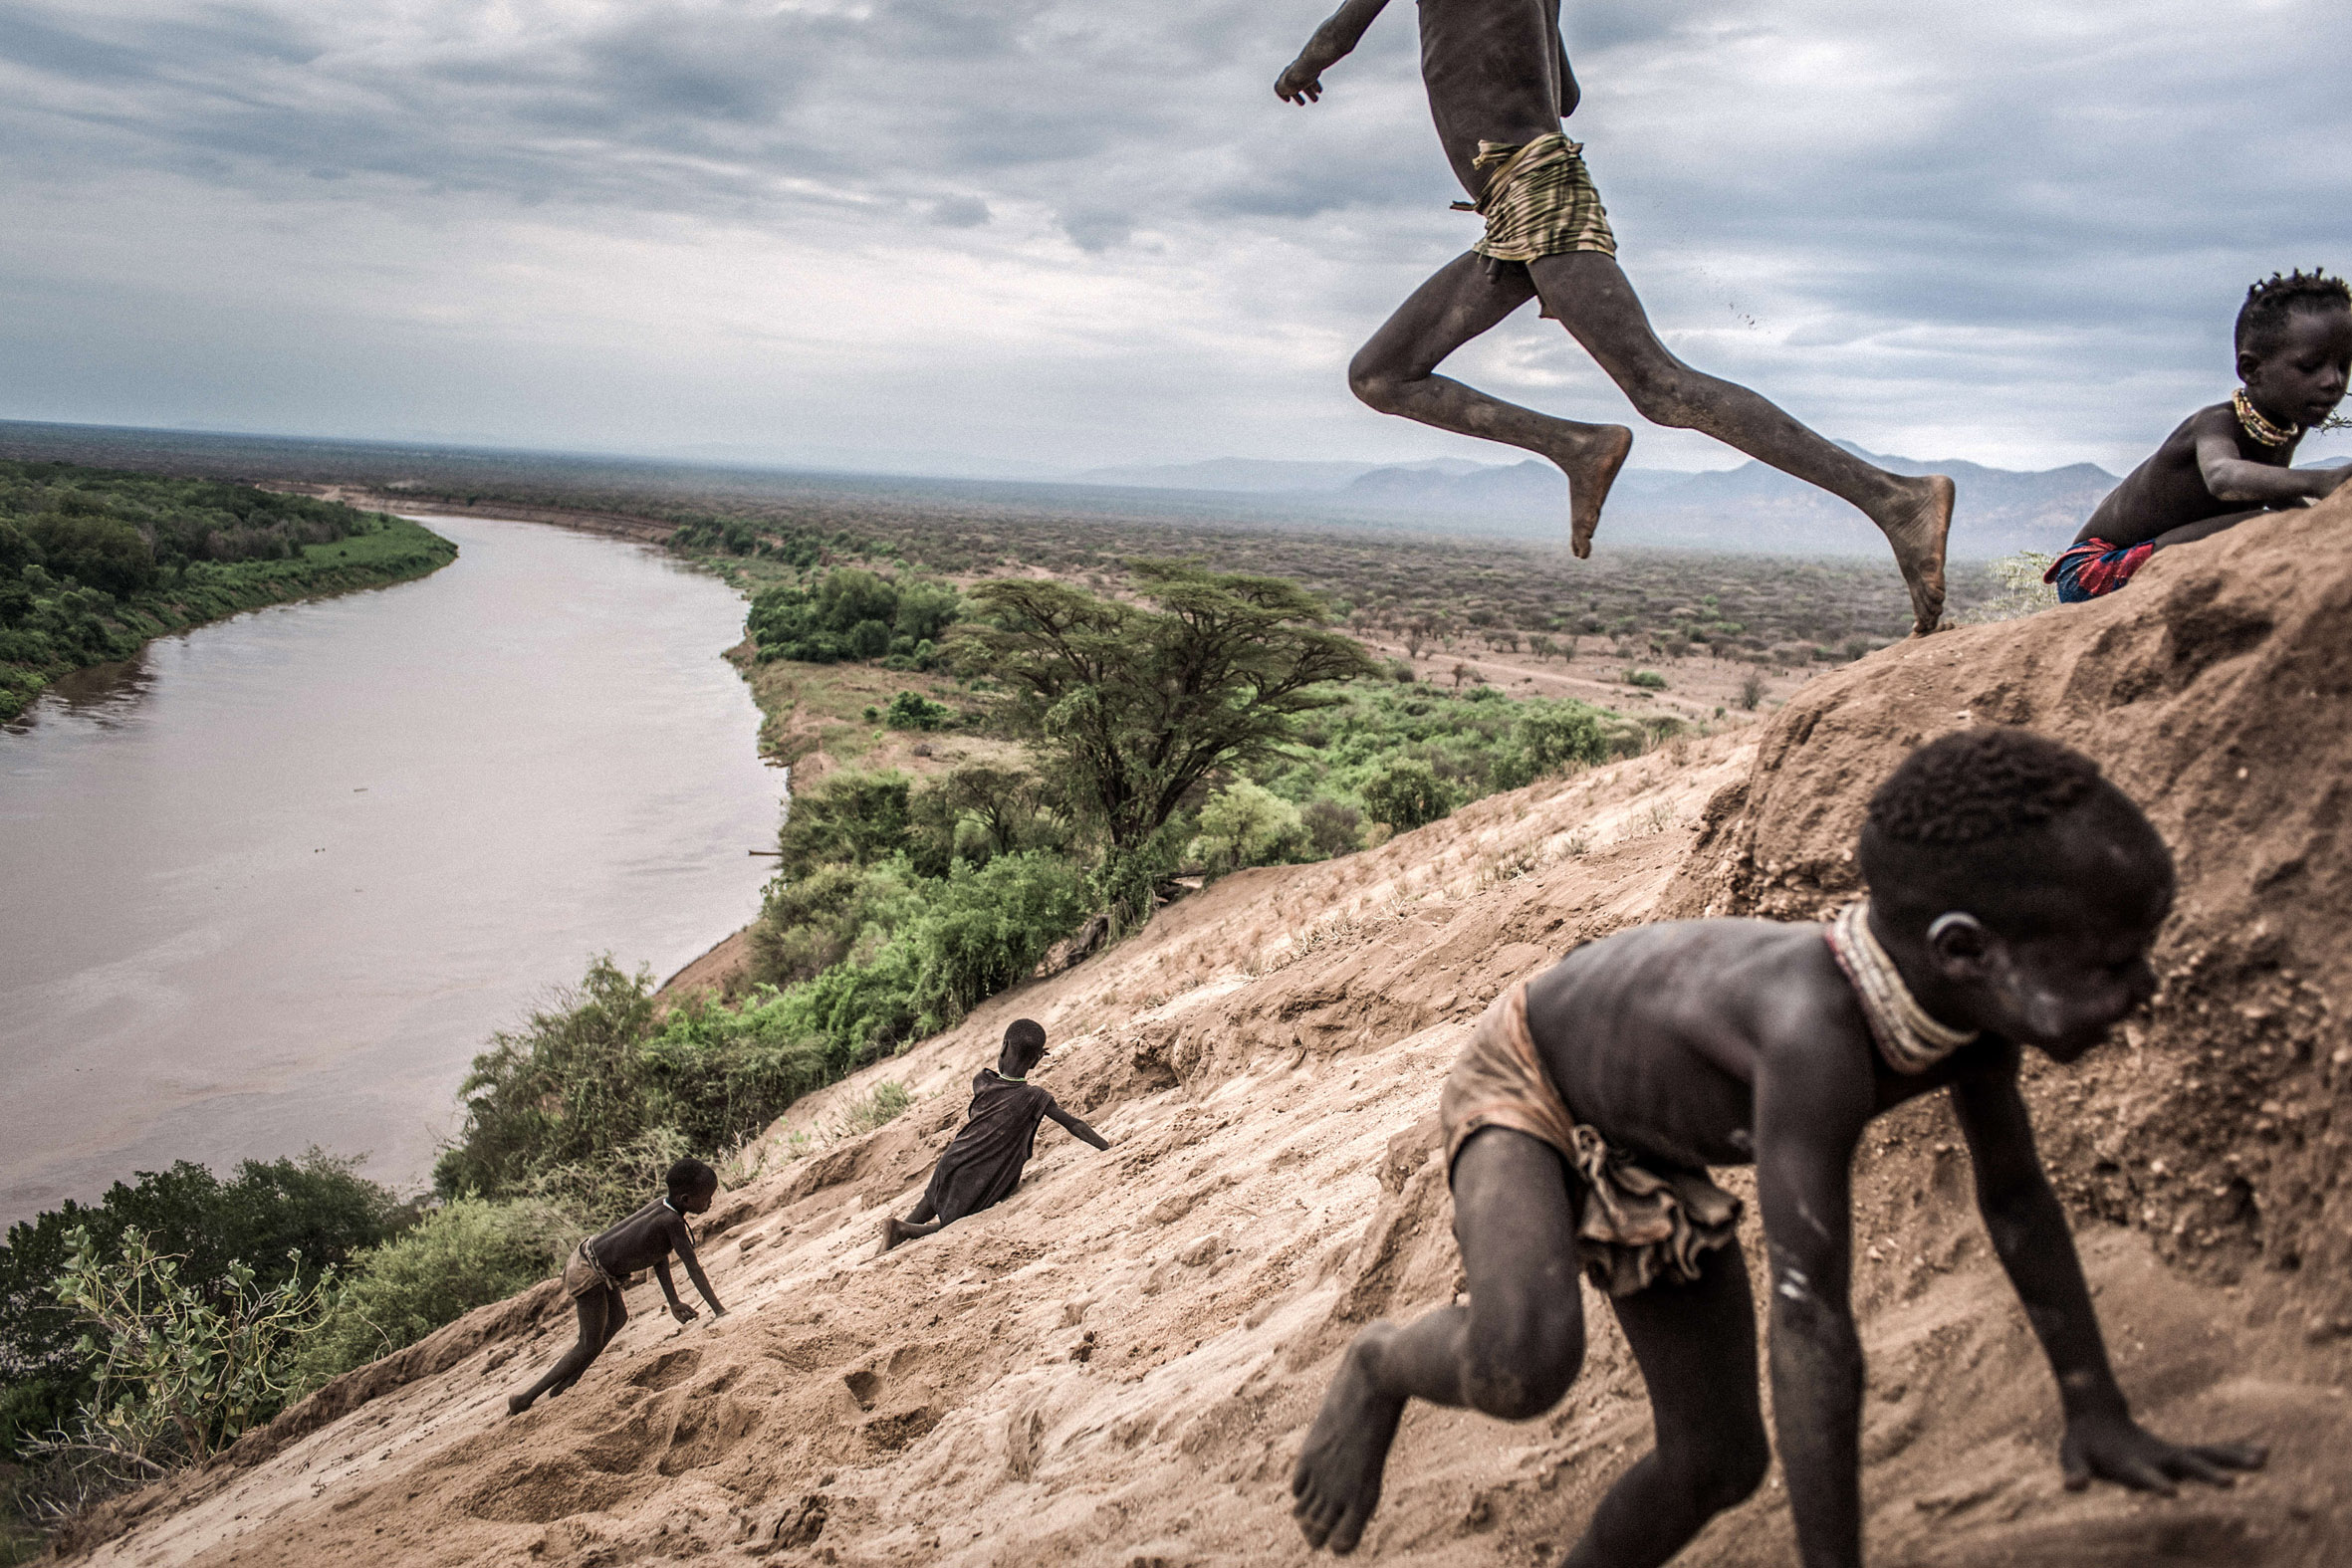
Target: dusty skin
1263,1058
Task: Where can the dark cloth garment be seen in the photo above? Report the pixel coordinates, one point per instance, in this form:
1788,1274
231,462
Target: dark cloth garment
982,1165
2094,568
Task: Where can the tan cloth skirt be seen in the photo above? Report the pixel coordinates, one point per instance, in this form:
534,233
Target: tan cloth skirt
583,1274
1539,201
1637,1224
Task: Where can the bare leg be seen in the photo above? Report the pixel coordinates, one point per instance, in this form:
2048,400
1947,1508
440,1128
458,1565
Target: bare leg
1592,299
1393,373
601,1313
1513,1352
922,1222
2206,528
1696,1345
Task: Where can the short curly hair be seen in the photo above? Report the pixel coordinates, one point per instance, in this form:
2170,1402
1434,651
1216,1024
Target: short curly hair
2261,321
690,1176
2009,827
1990,783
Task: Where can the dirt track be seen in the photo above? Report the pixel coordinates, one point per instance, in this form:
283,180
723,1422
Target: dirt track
1115,1366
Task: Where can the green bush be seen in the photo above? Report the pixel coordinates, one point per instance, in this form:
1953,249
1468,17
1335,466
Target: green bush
466,1253
317,1208
562,1089
1647,680
1246,824
854,613
914,711
1406,795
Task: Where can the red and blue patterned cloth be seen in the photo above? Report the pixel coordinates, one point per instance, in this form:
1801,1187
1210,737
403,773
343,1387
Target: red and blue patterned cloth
2094,566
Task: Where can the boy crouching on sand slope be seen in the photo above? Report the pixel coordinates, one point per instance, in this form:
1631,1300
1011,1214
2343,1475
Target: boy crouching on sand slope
981,1167
593,1274
2235,460
2013,894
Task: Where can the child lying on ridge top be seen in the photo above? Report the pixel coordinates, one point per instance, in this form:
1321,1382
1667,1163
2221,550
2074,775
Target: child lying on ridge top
2235,460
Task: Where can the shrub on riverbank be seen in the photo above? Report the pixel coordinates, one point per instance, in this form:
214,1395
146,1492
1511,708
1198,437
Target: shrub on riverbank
93,562
854,613
317,1206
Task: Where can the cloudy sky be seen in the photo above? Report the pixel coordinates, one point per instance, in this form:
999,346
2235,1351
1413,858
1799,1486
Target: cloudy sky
937,233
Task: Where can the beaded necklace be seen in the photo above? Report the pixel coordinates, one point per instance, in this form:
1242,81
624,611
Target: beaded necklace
1908,1039
2250,420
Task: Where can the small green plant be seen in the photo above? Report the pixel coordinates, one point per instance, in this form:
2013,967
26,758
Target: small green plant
1407,793
914,711
862,1113
1647,680
2023,591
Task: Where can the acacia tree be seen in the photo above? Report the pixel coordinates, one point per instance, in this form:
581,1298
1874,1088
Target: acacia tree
1131,705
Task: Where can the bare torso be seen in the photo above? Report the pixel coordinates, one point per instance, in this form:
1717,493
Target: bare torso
1656,1037
1495,72
644,1238
2170,490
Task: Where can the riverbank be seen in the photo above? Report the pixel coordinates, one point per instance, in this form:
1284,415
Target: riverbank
95,563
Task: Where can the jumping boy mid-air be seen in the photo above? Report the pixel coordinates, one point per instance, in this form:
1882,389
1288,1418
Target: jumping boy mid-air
2014,893
1499,86
593,1274
981,1167
2235,460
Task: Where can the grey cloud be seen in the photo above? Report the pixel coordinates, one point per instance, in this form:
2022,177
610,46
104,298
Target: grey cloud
2065,196
959,212
1097,229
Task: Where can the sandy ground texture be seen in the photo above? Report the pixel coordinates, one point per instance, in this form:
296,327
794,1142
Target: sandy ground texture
1116,1366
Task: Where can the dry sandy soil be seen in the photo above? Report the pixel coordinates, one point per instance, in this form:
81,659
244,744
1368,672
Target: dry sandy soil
1116,1366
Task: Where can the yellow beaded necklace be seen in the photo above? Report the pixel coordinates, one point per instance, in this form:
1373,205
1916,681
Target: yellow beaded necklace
2249,419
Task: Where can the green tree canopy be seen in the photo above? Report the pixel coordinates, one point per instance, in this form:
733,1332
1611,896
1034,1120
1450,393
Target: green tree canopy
1134,703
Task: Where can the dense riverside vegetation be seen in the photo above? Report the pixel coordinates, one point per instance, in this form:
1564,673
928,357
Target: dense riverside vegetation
1200,722
1186,722
95,562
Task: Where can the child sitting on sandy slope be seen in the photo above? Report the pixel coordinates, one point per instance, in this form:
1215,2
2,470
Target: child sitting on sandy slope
2235,460
2013,894
981,1167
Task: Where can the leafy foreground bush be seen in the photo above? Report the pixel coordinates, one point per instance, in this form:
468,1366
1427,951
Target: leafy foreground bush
318,1209
466,1253
178,1366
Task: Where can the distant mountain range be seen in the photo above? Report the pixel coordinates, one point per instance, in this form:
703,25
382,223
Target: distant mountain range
1261,476
1749,508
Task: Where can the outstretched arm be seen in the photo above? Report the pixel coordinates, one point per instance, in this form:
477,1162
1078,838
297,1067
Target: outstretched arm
2029,1231
1301,81
2232,478
1076,1128
1806,1124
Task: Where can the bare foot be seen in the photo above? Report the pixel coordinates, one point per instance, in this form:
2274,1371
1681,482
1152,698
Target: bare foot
515,1404
1338,1482
893,1233
1917,523
1590,458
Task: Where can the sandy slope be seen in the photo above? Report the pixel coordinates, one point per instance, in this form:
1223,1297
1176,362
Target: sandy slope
1115,1366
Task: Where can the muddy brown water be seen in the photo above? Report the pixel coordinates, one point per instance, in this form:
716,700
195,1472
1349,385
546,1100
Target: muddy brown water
275,882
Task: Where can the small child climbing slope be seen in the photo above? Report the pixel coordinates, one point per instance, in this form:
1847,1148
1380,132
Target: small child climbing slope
981,1167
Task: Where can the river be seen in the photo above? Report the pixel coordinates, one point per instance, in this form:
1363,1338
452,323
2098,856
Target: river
274,883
